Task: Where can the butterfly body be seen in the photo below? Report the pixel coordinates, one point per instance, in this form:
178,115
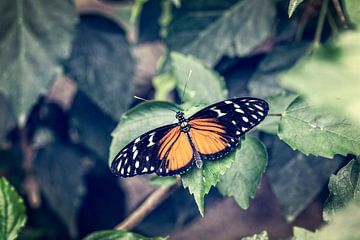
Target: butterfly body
209,134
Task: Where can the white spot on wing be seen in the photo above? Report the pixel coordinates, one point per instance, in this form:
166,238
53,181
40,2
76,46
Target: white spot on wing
144,170
129,169
151,140
137,140
134,148
236,106
245,119
260,113
218,111
233,122
238,133
228,102
122,171
244,129
152,168
259,107
135,154
254,116
239,110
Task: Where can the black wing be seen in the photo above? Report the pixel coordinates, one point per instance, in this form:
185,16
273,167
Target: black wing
235,116
140,156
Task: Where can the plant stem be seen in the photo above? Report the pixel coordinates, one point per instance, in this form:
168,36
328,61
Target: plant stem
320,24
146,207
275,114
332,22
340,12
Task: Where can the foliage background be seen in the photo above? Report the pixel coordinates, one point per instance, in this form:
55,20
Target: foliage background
68,74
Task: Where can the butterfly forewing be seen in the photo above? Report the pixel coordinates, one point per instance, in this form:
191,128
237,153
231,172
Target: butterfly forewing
217,129
140,156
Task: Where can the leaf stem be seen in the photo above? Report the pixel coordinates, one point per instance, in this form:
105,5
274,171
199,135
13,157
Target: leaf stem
320,24
340,12
275,114
154,199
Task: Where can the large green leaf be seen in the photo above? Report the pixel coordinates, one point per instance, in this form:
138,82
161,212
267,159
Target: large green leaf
200,181
259,236
101,64
212,29
278,104
316,132
243,177
330,77
353,11
304,234
343,187
204,85
140,119
163,84
293,4
12,211
36,37
118,235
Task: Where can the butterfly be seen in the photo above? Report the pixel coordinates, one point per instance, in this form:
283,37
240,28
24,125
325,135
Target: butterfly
209,134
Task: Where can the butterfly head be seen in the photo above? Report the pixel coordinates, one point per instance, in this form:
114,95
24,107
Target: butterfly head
180,116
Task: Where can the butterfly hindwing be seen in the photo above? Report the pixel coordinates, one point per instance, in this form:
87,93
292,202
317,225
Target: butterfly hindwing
141,155
217,129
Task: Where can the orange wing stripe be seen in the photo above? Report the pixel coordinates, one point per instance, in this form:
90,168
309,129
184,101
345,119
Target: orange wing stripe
206,135
175,149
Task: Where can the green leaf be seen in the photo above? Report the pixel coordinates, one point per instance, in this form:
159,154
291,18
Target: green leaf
316,132
12,211
199,181
118,235
344,225
343,187
162,181
136,10
243,177
293,4
353,11
278,104
36,40
304,234
163,84
204,85
140,119
259,236
212,29
330,77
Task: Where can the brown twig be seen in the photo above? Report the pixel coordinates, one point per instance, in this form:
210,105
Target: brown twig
340,12
320,25
146,207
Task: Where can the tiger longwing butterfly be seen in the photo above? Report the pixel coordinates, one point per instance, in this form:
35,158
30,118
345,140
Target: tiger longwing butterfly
209,134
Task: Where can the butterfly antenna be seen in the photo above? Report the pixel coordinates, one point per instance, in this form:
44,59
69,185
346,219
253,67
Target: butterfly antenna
186,83
142,99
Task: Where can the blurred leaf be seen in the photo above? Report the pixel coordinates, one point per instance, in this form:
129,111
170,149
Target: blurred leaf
330,77
165,17
210,30
260,236
264,82
101,64
304,234
12,211
204,85
278,104
344,225
140,119
118,235
162,181
353,11
200,181
60,173
35,40
7,119
243,177
163,84
343,187
293,4
296,179
318,133
136,10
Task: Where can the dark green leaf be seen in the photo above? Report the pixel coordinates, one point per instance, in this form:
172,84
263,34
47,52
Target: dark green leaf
243,177
259,236
278,104
140,119
199,181
12,211
210,30
293,4
316,132
329,78
204,85
118,235
35,40
101,64
343,187
60,171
